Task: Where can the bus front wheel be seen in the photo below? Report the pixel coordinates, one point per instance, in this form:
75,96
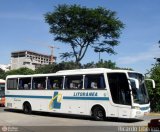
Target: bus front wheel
98,113
27,108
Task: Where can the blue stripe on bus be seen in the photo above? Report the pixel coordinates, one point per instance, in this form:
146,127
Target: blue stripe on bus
28,96
65,97
85,98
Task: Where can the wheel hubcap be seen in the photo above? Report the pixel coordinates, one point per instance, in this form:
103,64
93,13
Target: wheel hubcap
100,114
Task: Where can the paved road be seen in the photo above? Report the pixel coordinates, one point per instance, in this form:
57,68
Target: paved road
44,121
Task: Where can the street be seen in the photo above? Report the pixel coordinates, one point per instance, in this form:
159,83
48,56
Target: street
43,121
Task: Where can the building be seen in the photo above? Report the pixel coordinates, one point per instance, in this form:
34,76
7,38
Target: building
30,59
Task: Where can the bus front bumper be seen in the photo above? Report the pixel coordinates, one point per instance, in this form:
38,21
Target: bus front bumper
139,113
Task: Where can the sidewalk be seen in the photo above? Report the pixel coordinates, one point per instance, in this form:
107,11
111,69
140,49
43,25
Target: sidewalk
154,114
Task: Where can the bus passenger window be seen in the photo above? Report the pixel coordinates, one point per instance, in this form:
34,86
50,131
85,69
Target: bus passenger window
39,83
40,86
94,81
26,86
94,85
12,84
74,82
55,83
24,83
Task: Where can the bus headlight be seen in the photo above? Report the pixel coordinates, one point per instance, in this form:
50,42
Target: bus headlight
136,107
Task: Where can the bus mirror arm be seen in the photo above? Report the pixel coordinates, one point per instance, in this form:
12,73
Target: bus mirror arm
153,82
134,82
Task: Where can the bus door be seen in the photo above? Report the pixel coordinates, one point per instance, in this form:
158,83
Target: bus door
120,94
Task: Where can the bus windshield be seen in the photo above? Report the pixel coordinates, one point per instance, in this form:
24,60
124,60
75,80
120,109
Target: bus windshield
2,93
140,94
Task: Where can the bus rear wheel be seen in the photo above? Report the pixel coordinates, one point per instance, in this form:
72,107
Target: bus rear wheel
98,113
27,108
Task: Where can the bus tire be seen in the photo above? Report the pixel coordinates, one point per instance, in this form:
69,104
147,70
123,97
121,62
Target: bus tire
98,113
27,108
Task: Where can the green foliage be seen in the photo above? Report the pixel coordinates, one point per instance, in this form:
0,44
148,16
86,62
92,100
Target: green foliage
106,64
68,65
2,74
57,67
154,94
82,27
72,65
46,69
20,71
89,65
101,64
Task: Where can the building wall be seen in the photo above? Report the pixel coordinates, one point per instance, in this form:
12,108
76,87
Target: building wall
28,59
20,62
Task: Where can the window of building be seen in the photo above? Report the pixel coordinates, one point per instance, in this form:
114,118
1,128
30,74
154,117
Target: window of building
39,83
24,83
26,63
94,81
55,83
12,84
74,82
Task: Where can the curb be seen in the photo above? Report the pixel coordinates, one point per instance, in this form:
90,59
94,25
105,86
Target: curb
154,114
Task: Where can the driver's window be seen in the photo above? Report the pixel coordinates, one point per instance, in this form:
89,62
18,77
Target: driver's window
119,88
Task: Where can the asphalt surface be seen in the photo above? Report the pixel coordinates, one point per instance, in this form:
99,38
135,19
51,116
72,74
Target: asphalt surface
40,121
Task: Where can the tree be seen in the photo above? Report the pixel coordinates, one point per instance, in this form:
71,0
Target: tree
82,27
89,65
2,74
106,64
101,64
57,67
72,65
154,94
20,71
46,69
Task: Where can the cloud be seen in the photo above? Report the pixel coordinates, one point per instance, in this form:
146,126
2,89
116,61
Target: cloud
153,52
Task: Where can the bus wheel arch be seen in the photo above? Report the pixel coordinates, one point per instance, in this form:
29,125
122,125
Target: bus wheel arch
27,109
98,112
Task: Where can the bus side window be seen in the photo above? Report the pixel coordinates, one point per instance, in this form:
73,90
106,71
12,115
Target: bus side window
12,83
39,83
74,82
26,86
94,85
55,82
94,81
24,83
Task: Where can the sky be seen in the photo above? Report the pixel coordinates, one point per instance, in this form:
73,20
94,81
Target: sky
22,27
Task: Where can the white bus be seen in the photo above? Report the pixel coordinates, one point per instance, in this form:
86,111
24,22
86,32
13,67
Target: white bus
97,92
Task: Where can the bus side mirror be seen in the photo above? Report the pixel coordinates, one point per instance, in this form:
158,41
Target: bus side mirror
153,82
134,83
